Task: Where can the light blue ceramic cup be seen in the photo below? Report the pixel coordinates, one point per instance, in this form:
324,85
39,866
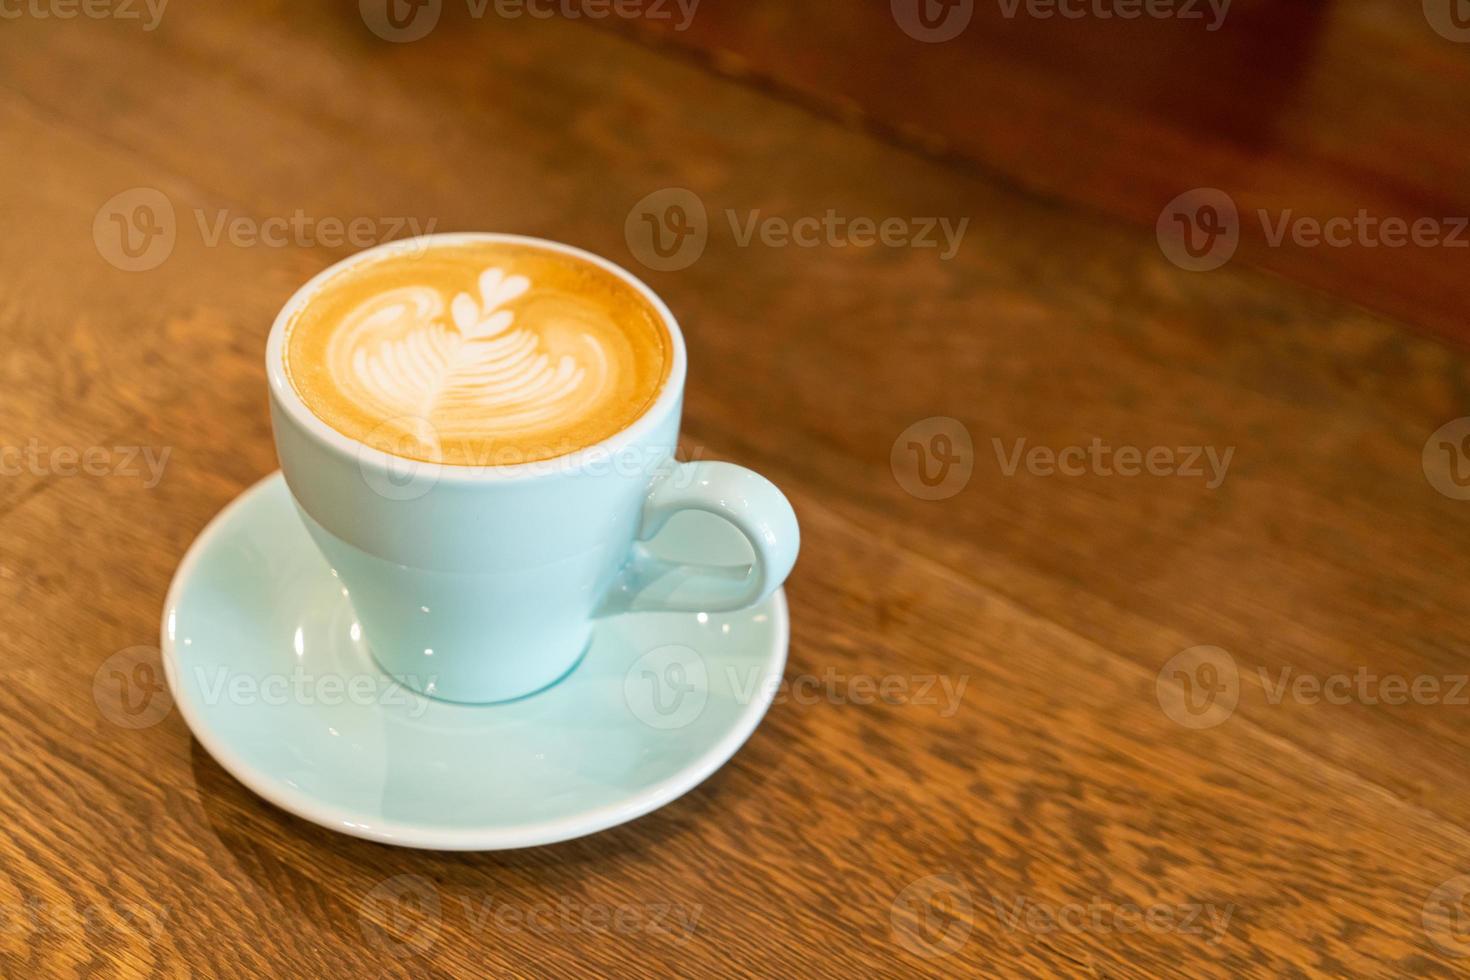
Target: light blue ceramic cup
481,584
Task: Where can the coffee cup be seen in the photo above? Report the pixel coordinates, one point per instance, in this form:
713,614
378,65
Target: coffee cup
478,568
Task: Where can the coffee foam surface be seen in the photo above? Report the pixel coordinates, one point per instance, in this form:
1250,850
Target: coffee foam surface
477,354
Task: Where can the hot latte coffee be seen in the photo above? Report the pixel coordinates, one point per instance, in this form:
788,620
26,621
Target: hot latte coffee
477,354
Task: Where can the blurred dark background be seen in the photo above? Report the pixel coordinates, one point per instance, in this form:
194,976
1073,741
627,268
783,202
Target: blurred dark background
1324,107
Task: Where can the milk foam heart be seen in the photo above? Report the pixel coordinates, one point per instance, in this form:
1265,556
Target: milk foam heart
477,354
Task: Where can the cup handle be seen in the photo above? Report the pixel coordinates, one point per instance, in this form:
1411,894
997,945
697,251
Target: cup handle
747,500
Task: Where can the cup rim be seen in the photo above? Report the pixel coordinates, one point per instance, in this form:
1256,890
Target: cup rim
286,397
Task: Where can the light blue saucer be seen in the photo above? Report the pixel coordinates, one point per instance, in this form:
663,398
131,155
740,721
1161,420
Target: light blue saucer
270,671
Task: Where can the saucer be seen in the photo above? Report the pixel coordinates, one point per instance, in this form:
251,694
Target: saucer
272,674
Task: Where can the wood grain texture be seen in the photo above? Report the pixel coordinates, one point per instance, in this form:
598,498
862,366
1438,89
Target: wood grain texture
1024,813
1315,110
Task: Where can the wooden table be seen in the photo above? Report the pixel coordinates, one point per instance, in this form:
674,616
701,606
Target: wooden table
1208,718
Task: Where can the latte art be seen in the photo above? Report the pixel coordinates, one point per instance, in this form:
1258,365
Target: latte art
396,357
527,355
